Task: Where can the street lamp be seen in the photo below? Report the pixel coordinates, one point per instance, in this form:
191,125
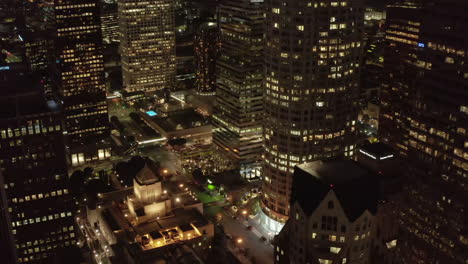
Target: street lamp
239,240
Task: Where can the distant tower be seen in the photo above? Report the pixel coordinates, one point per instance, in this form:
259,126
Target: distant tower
206,53
147,44
39,49
238,112
109,21
81,80
312,68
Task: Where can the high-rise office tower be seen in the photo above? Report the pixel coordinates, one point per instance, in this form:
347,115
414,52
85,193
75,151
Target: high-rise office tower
238,111
425,115
109,21
147,44
312,67
80,79
206,53
39,46
33,163
6,232
187,21
402,36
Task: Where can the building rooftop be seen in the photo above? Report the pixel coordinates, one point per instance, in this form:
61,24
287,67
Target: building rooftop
332,171
355,187
147,175
377,151
182,119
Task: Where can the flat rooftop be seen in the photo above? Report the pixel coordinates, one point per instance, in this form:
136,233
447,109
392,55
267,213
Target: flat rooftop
334,171
180,218
182,119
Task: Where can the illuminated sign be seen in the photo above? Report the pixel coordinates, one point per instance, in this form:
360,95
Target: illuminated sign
151,113
422,45
4,68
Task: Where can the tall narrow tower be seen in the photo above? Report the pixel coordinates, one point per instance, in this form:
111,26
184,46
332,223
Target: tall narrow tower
147,44
312,65
81,80
238,113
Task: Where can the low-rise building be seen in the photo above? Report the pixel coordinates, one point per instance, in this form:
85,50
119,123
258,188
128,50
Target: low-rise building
155,220
184,123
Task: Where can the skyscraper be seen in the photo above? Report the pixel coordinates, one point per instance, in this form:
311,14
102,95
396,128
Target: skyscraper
312,66
80,79
206,45
147,44
238,112
425,116
6,233
34,166
109,21
39,46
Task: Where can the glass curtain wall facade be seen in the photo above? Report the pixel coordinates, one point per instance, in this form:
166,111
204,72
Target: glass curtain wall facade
426,106
80,79
238,112
312,68
147,44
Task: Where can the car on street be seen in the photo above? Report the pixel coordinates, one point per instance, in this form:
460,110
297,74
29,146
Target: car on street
228,236
250,227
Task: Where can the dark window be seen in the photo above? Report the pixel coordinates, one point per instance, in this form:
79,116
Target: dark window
331,205
343,228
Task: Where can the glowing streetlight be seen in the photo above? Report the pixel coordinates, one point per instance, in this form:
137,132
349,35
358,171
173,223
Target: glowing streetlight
239,240
165,171
244,212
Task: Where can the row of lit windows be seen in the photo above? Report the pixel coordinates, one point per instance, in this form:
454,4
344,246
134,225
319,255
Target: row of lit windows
40,219
30,130
68,6
78,28
40,196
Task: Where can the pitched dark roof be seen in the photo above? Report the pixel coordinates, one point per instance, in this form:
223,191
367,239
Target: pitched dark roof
146,175
355,187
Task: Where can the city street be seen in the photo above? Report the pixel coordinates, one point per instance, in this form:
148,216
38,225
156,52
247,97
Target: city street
261,251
